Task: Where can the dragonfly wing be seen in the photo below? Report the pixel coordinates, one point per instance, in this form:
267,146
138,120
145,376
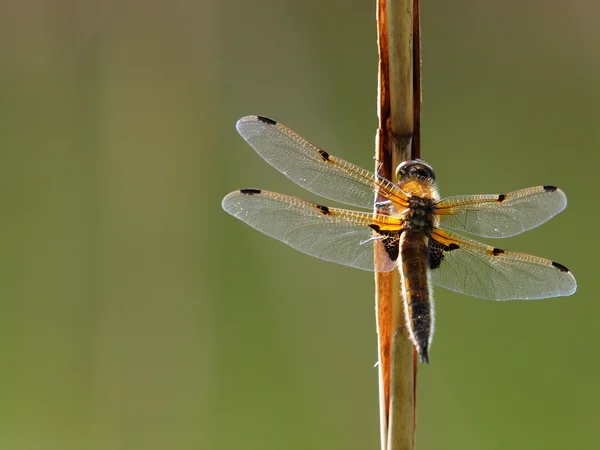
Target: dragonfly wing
336,235
468,267
313,168
501,215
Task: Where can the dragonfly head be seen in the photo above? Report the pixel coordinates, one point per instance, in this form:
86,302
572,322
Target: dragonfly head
415,169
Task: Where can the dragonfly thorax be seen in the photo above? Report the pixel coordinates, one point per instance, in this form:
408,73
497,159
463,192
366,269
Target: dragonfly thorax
420,216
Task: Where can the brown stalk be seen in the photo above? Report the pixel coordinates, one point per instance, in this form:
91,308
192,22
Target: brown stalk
398,139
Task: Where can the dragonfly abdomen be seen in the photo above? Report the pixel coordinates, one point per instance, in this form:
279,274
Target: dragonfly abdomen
415,289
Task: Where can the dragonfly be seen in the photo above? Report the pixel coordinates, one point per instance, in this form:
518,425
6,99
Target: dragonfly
408,226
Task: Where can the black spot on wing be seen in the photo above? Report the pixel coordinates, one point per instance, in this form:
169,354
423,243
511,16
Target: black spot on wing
501,198
560,267
266,120
392,245
437,251
436,254
250,191
497,251
390,241
323,154
324,209
550,188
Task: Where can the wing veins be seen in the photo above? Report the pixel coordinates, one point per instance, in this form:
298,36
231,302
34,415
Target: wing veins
337,235
305,164
487,272
501,215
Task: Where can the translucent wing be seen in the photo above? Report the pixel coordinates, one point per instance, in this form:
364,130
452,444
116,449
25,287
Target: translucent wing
471,268
313,168
501,215
336,235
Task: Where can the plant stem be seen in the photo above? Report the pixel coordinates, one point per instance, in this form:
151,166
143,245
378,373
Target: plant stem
398,139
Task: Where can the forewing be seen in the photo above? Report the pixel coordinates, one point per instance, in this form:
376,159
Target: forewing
313,168
471,268
336,235
501,215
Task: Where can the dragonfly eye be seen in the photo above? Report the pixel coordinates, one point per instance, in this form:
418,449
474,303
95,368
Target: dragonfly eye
415,169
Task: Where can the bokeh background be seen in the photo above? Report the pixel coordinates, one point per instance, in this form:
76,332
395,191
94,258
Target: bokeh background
136,314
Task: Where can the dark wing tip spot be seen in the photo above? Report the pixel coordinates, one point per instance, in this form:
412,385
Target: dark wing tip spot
497,251
453,247
501,198
375,227
550,188
324,209
560,266
324,155
250,191
266,120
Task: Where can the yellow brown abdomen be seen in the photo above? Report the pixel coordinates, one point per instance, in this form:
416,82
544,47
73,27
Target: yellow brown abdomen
415,289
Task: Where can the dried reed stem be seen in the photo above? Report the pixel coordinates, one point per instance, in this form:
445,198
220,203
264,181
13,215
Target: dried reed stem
398,139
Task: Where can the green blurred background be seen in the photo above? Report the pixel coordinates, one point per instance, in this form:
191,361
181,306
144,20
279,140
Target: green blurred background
136,314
